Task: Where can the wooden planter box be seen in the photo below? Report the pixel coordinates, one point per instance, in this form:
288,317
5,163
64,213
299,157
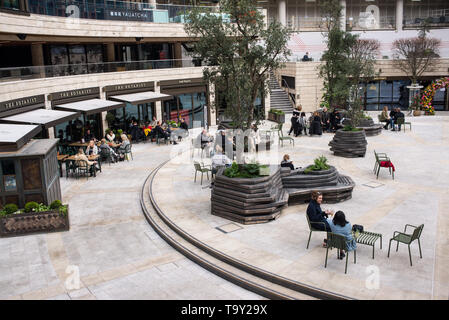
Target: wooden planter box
33,222
349,144
276,117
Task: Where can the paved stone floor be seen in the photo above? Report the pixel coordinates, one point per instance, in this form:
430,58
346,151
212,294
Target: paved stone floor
110,245
119,256
419,194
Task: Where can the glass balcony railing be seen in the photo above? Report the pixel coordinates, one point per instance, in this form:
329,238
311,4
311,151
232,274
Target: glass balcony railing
434,18
35,72
369,22
113,10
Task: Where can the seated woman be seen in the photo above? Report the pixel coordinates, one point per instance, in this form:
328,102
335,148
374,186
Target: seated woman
384,117
122,149
287,163
316,215
315,125
82,160
91,148
110,136
339,225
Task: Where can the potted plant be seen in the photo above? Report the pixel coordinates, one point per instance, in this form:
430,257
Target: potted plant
416,105
33,218
276,115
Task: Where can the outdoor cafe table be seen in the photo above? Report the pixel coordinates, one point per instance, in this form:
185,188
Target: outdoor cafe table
93,157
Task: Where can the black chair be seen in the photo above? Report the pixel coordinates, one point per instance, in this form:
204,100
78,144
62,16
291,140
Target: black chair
105,155
82,168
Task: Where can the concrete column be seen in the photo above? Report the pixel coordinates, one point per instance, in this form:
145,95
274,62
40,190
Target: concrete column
51,131
399,14
178,54
211,107
37,56
282,10
103,114
343,15
110,52
158,104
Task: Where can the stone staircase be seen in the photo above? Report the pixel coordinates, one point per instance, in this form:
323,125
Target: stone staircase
279,99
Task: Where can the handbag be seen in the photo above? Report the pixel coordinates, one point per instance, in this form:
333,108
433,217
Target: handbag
358,228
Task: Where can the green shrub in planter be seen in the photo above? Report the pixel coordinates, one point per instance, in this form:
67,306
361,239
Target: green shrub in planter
31,206
63,210
10,208
320,163
55,204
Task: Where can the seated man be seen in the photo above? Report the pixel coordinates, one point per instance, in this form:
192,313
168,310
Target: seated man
159,132
219,160
88,136
306,57
398,115
206,141
112,153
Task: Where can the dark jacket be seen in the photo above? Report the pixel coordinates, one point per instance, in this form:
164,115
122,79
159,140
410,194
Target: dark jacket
315,126
287,164
315,214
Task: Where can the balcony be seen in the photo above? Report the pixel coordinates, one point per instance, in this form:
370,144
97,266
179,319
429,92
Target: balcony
36,72
113,10
436,18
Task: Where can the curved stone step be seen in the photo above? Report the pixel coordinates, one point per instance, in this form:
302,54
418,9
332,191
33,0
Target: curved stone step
236,271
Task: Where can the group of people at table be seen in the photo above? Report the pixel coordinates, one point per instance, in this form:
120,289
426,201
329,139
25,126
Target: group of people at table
316,123
157,129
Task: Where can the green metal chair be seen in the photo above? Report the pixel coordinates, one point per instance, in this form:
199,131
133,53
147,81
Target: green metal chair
381,157
203,169
403,123
282,138
312,229
403,237
339,242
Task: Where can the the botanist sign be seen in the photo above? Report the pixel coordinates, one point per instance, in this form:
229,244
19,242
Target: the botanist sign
130,87
74,95
33,101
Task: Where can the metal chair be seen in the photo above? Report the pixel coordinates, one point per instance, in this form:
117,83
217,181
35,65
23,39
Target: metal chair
338,241
312,229
380,157
407,239
203,169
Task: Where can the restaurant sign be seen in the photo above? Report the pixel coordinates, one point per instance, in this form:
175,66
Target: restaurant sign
39,101
129,14
74,93
182,82
130,86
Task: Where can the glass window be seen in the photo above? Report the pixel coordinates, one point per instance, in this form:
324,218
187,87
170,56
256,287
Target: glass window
386,91
199,101
185,108
9,175
77,57
439,99
10,4
171,109
372,92
132,114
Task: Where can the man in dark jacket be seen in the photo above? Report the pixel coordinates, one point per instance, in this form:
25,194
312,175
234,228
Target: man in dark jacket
392,118
398,115
317,216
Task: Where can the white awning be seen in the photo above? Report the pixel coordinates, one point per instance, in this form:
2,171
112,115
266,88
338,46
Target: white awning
90,106
142,97
14,136
48,118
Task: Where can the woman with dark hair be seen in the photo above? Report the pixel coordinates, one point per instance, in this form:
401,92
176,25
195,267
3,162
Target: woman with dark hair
315,213
315,125
339,225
